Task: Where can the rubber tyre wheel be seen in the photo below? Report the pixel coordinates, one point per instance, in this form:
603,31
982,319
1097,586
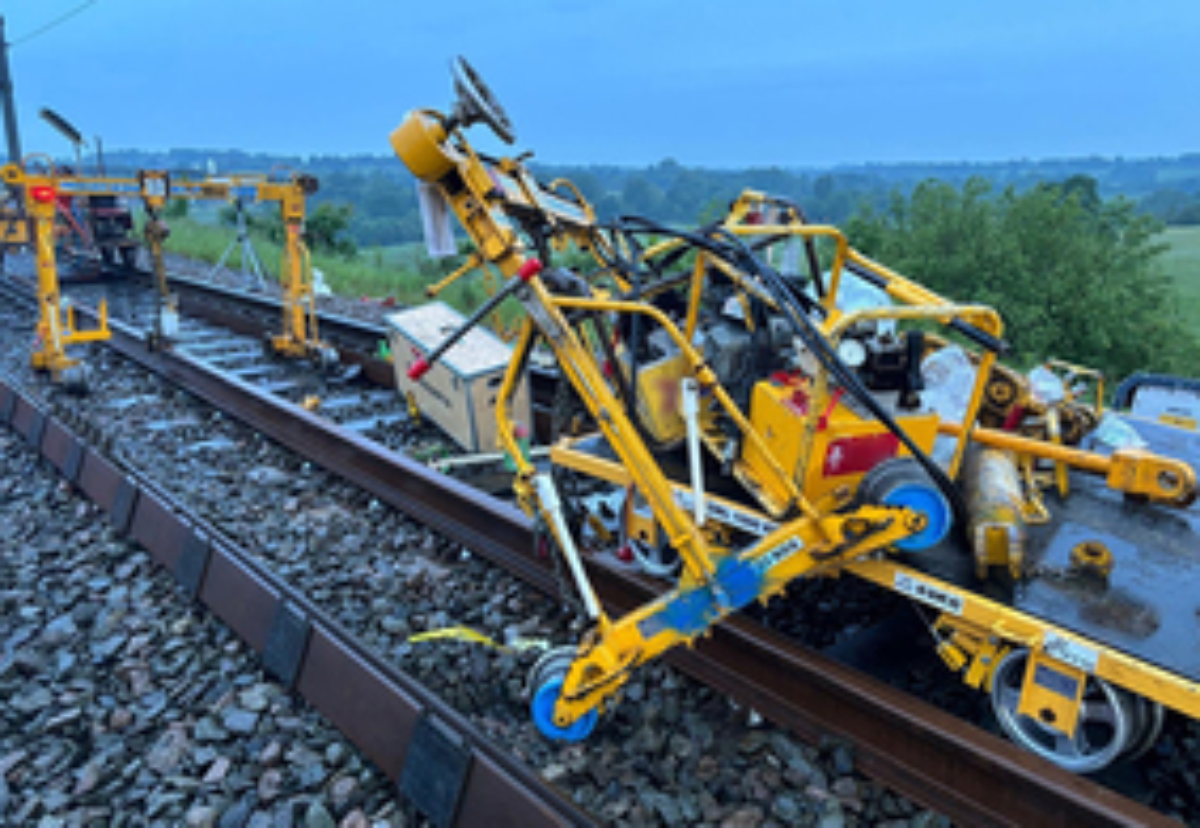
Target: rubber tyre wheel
901,481
545,697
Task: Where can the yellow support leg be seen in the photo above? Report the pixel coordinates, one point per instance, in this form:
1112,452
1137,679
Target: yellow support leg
56,328
606,657
299,339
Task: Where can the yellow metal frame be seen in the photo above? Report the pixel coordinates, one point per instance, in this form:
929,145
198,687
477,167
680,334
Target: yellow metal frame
979,628
299,336
1131,471
713,580
976,618
56,329
799,537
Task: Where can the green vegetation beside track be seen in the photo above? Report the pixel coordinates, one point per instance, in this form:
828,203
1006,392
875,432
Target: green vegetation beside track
401,273
1074,276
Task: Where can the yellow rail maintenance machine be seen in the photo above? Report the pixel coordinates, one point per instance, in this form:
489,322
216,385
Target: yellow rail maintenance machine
154,188
751,420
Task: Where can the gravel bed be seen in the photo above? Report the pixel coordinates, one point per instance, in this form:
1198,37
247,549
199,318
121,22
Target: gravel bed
673,753
348,395
126,706
389,578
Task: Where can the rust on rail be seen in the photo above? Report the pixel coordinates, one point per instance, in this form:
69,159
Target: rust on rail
956,769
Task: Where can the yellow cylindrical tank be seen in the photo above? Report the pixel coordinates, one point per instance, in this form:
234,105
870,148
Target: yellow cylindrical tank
995,527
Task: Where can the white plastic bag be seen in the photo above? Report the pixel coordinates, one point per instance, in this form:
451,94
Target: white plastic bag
319,286
1116,433
949,379
855,293
1046,387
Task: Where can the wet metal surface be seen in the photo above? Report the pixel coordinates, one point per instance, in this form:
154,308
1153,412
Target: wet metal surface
1150,605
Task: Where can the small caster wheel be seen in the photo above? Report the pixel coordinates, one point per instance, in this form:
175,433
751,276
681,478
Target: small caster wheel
74,379
542,707
545,686
1149,717
554,660
326,357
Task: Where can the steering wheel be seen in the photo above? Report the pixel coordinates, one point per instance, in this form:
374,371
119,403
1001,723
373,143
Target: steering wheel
477,103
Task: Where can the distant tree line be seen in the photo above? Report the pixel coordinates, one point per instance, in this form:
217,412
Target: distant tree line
383,206
1070,262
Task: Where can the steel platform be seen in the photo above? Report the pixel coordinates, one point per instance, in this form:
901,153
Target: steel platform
1149,607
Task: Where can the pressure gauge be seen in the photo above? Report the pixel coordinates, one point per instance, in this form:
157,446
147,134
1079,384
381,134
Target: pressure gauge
852,352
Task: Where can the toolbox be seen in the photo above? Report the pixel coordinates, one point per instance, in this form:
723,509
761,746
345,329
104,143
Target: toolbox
459,393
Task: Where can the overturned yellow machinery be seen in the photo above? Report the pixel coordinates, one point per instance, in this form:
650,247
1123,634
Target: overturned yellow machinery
743,416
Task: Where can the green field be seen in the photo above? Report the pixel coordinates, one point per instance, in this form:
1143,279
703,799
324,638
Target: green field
1182,263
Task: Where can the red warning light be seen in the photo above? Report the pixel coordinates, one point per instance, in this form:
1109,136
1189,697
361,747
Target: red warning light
42,193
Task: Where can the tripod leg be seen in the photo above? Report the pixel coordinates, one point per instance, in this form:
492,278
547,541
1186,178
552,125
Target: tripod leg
224,257
251,255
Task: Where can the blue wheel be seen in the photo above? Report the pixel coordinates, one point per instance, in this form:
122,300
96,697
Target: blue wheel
542,709
901,482
928,501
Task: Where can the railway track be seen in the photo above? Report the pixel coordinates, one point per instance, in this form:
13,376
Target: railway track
929,756
254,314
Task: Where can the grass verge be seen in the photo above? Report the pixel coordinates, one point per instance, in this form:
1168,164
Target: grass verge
402,273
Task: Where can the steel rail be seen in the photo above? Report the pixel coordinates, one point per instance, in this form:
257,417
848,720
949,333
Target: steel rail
224,306
442,764
950,766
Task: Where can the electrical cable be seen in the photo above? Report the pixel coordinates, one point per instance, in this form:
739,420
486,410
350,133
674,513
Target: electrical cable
53,23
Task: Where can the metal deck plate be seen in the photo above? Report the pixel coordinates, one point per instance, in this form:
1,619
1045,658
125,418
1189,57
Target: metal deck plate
1151,606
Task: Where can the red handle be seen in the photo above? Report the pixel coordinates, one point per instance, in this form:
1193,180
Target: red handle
529,269
418,369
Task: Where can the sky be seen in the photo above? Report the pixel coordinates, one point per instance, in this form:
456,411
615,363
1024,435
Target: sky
630,82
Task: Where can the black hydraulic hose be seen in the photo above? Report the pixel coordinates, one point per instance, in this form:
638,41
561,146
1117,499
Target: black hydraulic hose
739,255
635,325
816,342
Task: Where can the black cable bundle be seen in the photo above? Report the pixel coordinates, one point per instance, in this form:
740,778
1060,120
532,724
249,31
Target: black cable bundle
725,245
